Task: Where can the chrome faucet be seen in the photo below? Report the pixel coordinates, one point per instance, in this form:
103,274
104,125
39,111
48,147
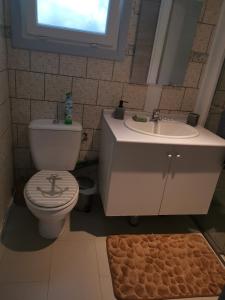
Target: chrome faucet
155,115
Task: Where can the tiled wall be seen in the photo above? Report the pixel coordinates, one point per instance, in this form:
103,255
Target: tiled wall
5,127
38,81
218,103
217,107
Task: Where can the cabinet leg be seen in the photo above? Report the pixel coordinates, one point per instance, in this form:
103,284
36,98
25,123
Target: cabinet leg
134,220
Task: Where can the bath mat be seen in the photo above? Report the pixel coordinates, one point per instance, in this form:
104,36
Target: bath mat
163,266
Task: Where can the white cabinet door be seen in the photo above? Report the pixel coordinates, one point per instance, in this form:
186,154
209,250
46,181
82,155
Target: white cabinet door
192,180
138,176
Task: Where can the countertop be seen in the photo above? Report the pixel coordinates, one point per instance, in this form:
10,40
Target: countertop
126,135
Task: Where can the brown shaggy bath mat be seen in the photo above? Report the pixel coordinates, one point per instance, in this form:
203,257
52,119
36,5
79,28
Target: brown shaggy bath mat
163,267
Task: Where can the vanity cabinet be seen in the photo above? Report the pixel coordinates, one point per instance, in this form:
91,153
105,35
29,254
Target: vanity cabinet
156,179
191,179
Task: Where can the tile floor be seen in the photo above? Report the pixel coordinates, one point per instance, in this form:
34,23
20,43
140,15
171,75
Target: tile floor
74,266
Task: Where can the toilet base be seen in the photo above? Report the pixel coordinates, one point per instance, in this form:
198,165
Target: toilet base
50,229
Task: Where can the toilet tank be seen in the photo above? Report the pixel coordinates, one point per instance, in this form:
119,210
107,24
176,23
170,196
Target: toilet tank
54,146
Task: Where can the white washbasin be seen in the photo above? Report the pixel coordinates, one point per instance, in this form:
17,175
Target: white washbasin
163,128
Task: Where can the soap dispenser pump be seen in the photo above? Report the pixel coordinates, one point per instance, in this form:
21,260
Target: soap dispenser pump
119,111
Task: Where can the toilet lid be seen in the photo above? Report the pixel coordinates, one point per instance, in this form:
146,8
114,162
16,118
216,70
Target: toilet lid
51,188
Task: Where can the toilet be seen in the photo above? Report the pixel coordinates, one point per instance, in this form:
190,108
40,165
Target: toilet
52,192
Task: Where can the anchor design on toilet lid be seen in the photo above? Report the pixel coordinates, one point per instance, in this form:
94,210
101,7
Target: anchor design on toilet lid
55,190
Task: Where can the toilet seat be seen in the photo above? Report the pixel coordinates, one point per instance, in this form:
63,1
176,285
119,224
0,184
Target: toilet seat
51,189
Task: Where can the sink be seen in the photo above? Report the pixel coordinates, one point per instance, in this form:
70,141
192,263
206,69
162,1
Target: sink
163,128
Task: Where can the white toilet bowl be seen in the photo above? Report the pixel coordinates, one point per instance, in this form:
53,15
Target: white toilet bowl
50,196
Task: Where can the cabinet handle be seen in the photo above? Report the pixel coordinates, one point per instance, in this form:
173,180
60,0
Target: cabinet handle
169,155
178,156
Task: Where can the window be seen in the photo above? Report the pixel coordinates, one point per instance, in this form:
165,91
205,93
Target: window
90,16
81,27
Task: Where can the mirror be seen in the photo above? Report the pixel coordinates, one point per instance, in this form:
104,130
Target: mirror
164,40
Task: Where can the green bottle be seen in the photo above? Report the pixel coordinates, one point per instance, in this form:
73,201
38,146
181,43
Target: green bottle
68,109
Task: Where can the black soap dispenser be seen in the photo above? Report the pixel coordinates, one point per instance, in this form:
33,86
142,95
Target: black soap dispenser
119,111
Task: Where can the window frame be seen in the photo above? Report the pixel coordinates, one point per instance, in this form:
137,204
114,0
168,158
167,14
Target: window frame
27,34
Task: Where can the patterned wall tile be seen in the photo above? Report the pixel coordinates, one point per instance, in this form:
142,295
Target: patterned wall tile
56,87
135,95
92,116
171,98
22,136
96,139
87,137
5,118
18,58
4,89
189,100
193,74
122,69
44,62
29,85
3,61
109,93
12,83
73,65
85,90
202,37
43,109
20,111
212,11
99,69
22,158
153,97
